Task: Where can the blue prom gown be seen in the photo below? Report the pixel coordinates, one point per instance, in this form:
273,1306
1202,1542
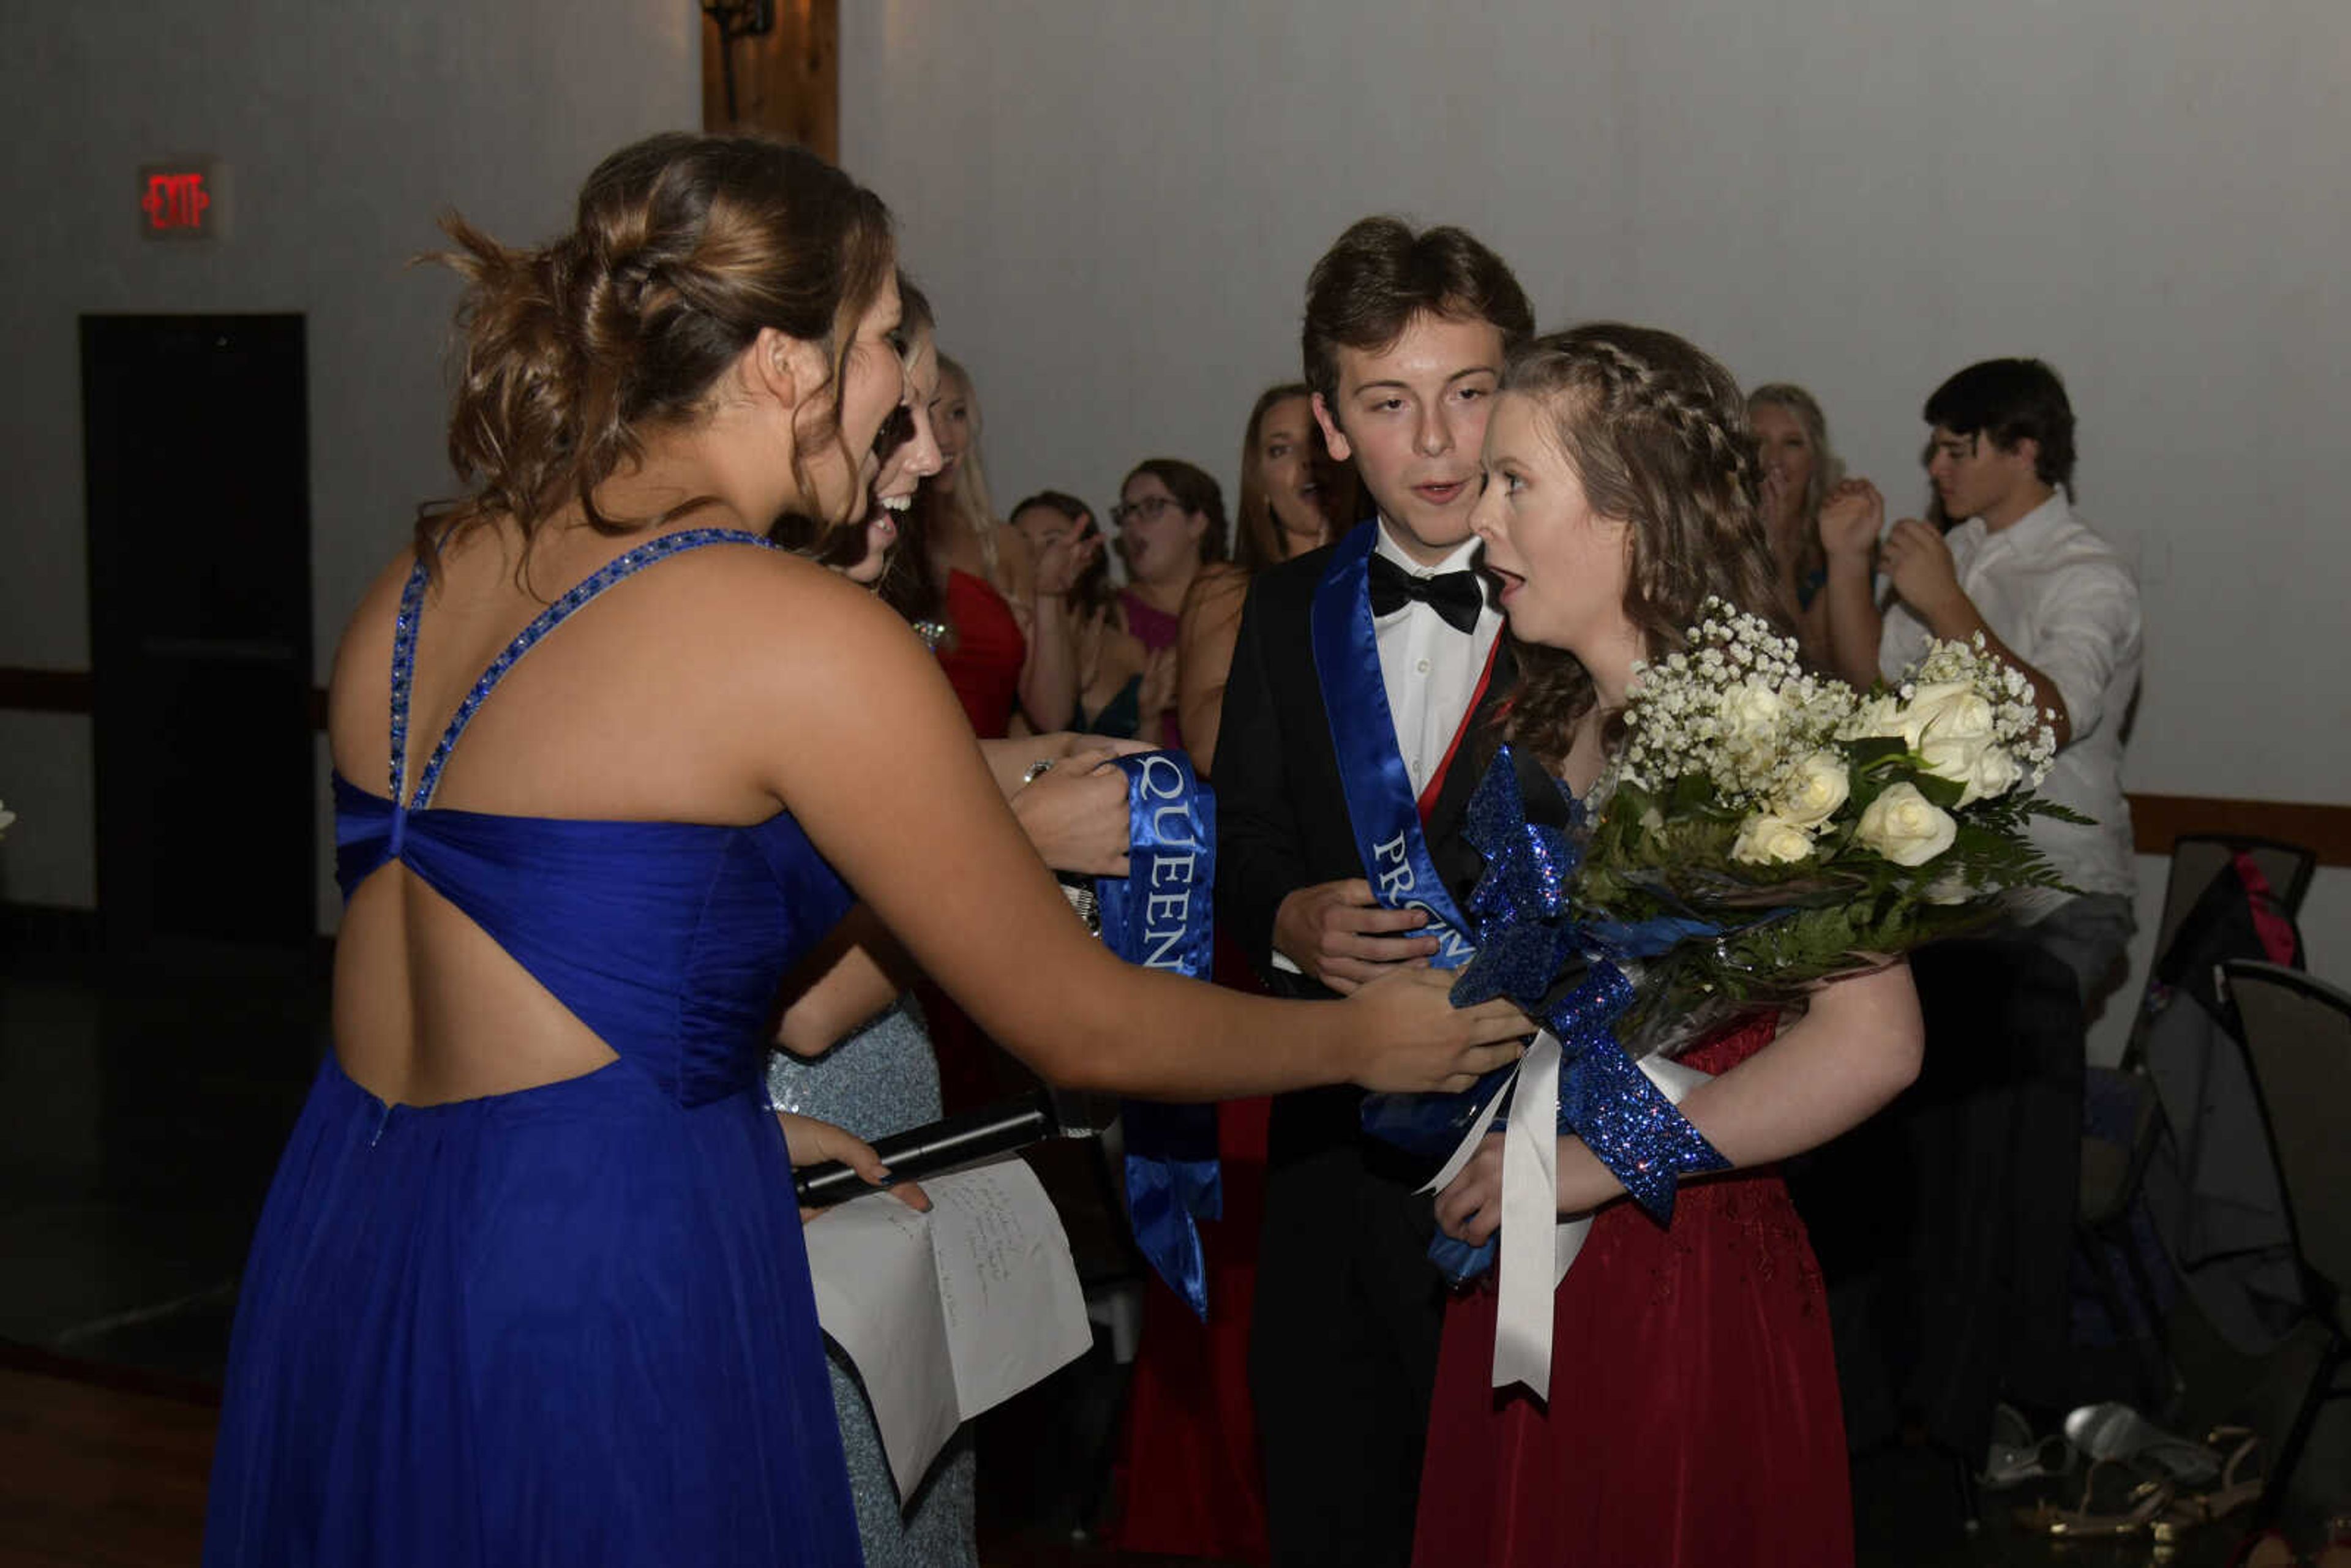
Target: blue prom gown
571,1324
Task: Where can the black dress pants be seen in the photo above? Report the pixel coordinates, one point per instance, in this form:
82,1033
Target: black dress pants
1342,1349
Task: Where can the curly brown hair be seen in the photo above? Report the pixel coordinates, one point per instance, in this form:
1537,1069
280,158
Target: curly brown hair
684,248
1657,431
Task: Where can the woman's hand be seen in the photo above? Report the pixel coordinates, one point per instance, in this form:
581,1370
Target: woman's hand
1851,514
1076,815
1470,1208
811,1143
1061,562
1412,1040
1064,744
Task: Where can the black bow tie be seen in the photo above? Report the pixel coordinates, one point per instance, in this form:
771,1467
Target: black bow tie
1456,596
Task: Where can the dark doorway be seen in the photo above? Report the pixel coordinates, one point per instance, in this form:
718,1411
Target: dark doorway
197,459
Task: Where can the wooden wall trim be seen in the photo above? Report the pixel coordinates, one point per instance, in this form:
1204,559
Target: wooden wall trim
2156,820
786,83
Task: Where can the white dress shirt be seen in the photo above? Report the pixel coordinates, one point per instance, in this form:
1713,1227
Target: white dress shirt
1430,670
2065,601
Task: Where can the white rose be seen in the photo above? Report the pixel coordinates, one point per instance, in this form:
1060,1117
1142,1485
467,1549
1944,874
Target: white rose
1765,839
1906,827
1995,774
1819,788
1953,710
1955,757
1751,715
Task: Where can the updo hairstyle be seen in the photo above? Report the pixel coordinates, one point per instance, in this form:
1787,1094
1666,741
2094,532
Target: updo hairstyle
684,248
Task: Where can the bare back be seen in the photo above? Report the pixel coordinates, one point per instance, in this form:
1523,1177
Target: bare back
620,714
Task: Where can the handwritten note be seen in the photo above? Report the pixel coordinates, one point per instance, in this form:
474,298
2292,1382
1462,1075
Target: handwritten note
949,1313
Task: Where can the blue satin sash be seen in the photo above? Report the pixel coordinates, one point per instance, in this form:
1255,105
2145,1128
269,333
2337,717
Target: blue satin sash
1158,915
1383,809
1383,812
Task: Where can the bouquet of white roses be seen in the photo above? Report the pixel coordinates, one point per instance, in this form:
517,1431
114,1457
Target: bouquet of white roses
1763,829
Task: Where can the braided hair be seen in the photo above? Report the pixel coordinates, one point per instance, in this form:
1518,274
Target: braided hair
684,248
1657,431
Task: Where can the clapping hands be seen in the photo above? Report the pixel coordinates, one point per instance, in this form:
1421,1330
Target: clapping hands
1918,562
1061,561
1851,515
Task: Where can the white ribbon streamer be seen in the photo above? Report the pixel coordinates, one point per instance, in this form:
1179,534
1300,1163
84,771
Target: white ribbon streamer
1522,1343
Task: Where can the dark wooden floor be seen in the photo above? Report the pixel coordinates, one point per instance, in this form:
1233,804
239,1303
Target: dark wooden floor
99,1470
104,1468
141,1113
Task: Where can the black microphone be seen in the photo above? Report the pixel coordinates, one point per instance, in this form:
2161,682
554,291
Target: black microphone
943,1145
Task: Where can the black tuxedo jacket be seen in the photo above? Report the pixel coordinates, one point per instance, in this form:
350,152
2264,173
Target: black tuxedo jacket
1281,813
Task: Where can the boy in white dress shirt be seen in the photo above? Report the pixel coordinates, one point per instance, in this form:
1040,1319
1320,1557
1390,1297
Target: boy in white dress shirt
2049,596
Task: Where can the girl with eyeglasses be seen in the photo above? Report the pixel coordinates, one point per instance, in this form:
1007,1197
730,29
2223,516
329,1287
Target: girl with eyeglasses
1171,524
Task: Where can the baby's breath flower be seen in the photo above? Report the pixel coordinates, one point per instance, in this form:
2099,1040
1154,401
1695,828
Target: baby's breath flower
1737,707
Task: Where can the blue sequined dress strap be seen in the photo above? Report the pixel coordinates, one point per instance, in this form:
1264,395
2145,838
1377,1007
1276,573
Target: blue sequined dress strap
403,653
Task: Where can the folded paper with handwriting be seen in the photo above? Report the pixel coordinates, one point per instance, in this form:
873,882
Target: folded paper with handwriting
948,1313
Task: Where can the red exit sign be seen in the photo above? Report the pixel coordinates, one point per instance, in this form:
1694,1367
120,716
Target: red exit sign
187,200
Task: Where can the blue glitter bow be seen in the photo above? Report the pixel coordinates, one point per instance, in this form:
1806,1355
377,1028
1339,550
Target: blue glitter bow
1528,936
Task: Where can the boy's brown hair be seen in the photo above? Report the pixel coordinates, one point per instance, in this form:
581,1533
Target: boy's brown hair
1380,273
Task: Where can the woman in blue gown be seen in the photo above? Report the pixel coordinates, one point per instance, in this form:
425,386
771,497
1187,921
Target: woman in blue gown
529,1287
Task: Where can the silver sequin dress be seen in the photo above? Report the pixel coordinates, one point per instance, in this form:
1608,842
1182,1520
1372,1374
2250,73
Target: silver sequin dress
879,1080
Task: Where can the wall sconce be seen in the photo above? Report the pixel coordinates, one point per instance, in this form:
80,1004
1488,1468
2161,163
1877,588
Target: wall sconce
736,19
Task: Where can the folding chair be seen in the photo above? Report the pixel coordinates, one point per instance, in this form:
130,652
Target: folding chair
2113,1169
2295,1032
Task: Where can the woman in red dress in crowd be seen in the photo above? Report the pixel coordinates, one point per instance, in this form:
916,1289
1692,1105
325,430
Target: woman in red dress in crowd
1694,1416
997,613
995,609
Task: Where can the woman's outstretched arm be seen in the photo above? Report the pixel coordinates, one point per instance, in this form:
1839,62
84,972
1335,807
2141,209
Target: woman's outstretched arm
865,745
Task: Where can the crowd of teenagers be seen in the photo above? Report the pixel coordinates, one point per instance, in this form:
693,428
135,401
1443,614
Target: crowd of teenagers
716,882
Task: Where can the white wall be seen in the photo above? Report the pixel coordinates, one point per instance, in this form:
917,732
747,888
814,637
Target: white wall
1115,206
348,127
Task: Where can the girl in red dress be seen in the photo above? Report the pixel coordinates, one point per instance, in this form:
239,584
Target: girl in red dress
1694,1415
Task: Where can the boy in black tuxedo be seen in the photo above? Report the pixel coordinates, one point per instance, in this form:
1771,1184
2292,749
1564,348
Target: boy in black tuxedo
1360,672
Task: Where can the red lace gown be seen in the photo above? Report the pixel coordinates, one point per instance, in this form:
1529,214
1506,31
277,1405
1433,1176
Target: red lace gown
1694,1419
1190,1482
